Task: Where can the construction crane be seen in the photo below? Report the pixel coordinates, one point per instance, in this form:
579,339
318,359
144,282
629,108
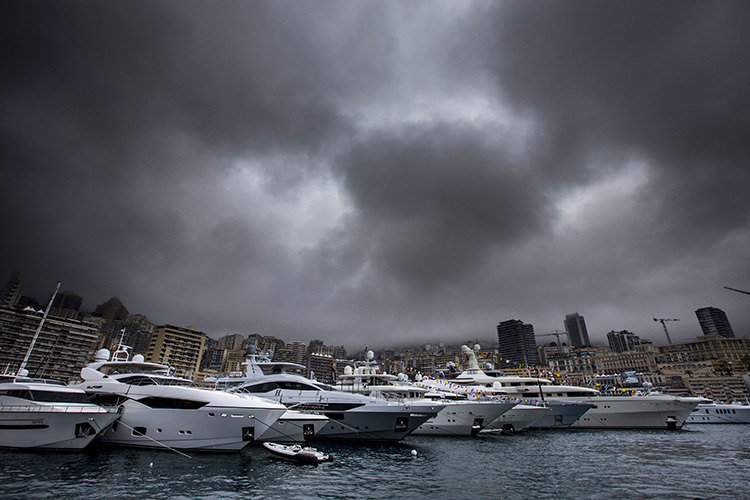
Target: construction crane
736,290
556,333
664,324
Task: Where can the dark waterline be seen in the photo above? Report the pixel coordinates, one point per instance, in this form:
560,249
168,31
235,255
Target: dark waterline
702,461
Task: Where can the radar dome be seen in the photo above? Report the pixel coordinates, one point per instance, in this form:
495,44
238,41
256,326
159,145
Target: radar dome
477,348
252,350
370,355
497,385
347,370
418,377
101,355
138,358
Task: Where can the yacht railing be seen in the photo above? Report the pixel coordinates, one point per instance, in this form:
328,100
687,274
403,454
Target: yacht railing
55,409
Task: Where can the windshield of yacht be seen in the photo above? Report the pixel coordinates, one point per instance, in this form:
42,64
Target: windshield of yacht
116,369
262,387
144,380
47,396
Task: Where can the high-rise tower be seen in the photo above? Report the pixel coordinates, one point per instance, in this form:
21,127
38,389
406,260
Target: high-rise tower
11,292
517,343
714,321
575,327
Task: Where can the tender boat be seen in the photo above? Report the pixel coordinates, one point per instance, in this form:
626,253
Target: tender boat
297,453
160,410
40,414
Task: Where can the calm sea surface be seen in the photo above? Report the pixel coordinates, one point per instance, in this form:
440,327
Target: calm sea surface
701,461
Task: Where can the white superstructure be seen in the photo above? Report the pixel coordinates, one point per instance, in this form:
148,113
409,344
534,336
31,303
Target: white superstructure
38,414
160,410
460,417
709,412
351,416
650,411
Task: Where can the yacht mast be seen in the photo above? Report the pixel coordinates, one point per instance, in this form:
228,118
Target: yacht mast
38,330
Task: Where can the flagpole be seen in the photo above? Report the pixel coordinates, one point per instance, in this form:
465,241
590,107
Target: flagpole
38,330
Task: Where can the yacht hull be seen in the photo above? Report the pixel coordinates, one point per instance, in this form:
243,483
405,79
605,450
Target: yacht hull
718,413
293,427
563,414
376,423
55,428
636,412
518,418
463,418
210,428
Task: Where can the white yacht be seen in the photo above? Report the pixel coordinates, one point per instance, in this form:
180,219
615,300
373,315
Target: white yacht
352,416
647,411
40,414
460,417
160,410
520,418
708,412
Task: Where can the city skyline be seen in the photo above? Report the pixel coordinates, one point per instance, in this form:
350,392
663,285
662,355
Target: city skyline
373,173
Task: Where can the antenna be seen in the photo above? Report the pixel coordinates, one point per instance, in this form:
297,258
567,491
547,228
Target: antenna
38,330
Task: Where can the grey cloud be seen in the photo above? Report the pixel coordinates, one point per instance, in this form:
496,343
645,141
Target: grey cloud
121,124
434,200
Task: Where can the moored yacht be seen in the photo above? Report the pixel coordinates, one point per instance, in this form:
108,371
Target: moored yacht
646,411
40,414
460,417
708,412
520,418
351,416
160,410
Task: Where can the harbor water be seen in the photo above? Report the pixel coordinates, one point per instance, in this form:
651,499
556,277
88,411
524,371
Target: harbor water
700,461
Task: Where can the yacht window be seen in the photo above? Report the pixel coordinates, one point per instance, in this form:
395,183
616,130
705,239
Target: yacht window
137,380
175,381
59,397
18,393
172,403
296,386
264,387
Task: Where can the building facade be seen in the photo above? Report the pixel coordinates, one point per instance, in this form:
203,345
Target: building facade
714,321
516,342
10,294
180,348
575,327
622,341
63,348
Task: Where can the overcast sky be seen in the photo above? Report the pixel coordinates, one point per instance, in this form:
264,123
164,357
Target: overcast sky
380,173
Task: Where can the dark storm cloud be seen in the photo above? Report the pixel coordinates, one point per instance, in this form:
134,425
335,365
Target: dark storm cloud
663,81
379,170
435,200
660,82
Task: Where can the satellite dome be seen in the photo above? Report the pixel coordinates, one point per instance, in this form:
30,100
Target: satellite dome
497,385
252,350
138,358
101,355
370,355
347,370
477,348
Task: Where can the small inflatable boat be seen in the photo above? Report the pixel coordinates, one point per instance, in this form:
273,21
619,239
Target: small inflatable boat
297,453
